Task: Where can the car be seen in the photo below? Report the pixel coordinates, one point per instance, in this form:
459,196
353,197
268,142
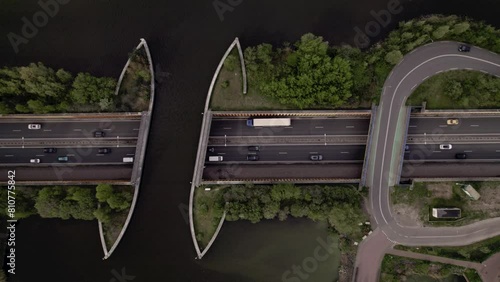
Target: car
34,126
463,48
104,151
445,146
407,147
49,150
62,159
252,158
211,149
316,157
99,133
253,148
461,156
35,161
452,121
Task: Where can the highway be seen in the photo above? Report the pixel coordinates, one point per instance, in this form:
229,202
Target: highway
72,137
74,154
299,126
69,128
466,125
413,69
299,153
473,151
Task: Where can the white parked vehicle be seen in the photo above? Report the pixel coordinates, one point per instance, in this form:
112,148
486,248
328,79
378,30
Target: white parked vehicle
215,158
128,160
34,126
445,146
35,161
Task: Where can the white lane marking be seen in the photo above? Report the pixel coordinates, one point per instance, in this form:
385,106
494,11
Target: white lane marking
282,153
474,125
226,127
344,152
107,129
221,153
47,130
483,71
16,130
436,151
425,78
413,87
313,152
130,154
135,129
288,126
453,69
9,155
412,126
439,71
318,127
349,126
40,155
77,129
467,151
443,125
70,155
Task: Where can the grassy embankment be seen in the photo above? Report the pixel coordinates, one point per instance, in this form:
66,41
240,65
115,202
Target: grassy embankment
114,226
477,252
207,212
228,90
135,90
396,269
416,204
458,90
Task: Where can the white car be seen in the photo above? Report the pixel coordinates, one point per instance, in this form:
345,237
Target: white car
35,161
445,146
34,126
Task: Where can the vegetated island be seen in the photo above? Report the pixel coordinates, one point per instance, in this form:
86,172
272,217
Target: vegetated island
311,74
104,202
38,89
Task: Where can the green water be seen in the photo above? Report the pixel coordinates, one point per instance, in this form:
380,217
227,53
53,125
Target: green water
267,251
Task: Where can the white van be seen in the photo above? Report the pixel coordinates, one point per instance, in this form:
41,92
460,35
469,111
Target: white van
215,159
128,160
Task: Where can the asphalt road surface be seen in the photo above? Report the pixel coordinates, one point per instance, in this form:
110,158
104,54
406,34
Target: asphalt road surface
301,126
413,69
80,155
473,151
467,125
69,128
51,174
295,153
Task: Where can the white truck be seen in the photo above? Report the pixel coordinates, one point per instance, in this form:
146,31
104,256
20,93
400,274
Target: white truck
254,122
128,160
215,158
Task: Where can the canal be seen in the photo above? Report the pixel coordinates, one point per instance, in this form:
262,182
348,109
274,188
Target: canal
187,40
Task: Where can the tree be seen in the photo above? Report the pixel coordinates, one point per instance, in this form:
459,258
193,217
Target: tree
231,62
41,81
103,213
120,200
441,31
345,218
88,89
103,192
461,28
394,57
48,201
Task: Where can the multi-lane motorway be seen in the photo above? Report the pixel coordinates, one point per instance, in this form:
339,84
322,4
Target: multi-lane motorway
425,134
73,138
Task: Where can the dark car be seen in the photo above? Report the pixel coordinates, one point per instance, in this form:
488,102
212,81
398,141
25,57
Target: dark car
104,151
252,158
99,134
49,150
463,48
253,148
62,159
316,157
461,156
